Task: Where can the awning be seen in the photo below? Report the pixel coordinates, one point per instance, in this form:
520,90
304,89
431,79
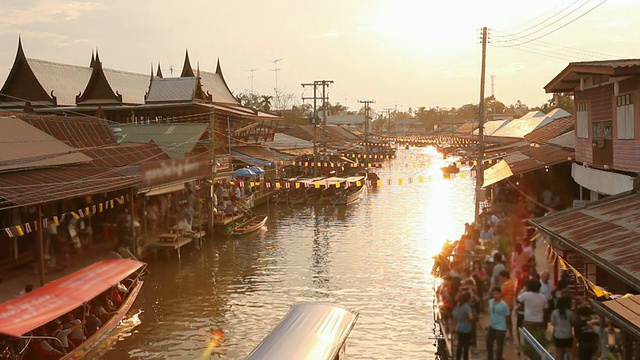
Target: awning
57,298
251,160
33,187
607,232
164,189
497,172
624,312
604,182
258,155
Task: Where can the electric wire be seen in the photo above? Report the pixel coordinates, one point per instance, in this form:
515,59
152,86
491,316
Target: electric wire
541,22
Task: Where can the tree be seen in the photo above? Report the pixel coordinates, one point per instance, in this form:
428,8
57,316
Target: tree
298,115
560,100
265,102
283,99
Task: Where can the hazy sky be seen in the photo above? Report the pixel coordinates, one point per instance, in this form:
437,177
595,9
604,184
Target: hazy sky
398,53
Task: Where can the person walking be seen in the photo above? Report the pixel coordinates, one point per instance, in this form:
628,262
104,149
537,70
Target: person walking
498,313
562,319
586,334
463,314
534,305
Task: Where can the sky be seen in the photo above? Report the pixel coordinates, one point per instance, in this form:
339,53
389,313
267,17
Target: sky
399,53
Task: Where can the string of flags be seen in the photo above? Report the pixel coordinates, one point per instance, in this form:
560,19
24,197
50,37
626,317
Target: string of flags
375,164
598,291
326,183
29,227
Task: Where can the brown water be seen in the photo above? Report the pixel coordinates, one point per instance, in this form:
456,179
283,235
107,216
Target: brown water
374,257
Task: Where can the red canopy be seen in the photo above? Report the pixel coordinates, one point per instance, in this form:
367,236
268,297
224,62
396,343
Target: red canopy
56,298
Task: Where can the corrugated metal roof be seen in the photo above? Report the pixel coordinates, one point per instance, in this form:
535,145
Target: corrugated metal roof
528,158
551,130
125,155
345,119
490,127
171,89
606,231
285,142
567,140
44,185
625,312
260,153
466,128
66,81
75,131
175,140
24,146
518,128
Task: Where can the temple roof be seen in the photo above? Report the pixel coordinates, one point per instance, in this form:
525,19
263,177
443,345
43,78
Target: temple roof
176,89
67,81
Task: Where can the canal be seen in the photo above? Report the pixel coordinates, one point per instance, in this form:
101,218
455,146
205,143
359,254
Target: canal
374,257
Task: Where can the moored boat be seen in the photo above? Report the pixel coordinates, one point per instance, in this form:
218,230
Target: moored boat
24,318
250,225
317,331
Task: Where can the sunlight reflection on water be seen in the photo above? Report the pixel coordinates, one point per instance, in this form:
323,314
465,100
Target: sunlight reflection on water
374,256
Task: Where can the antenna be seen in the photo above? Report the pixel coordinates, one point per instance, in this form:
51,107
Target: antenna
276,69
252,76
493,78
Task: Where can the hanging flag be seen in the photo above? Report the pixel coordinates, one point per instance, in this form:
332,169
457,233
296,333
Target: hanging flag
9,232
111,203
297,185
100,207
80,213
75,216
19,230
27,228
45,223
93,209
55,221
277,185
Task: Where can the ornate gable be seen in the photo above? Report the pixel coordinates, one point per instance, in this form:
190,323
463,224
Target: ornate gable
22,85
98,89
187,71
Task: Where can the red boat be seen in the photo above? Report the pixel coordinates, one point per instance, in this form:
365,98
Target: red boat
19,317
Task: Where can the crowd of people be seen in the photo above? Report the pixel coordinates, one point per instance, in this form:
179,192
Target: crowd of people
478,278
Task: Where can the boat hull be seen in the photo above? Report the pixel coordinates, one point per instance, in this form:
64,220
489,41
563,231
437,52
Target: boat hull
350,198
253,224
106,329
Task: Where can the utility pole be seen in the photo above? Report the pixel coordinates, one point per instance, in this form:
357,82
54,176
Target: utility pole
213,168
388,110
252,76
479,165
366,125
316,84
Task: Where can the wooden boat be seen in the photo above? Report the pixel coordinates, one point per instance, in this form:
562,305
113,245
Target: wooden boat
250,225
19,317
309,331
451,169
350,195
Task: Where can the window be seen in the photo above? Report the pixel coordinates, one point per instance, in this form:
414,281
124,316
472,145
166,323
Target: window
582,122
624,116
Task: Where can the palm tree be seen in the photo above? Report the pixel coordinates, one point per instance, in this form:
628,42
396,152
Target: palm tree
265,102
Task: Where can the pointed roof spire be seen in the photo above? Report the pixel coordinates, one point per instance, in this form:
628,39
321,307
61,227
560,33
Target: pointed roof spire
159,73
93,59
151,71
219,68
20,50
97,60
187,71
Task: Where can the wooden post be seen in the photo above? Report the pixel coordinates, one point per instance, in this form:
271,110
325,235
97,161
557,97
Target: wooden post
479,165
134,241
41,244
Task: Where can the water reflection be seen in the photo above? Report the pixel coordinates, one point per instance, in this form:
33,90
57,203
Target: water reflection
373,256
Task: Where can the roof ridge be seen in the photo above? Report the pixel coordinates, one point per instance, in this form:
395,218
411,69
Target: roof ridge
87,67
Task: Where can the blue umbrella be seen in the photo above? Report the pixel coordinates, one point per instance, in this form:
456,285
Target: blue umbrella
244,172
257,170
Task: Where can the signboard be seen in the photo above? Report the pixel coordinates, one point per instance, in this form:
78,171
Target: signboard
170,171
223,162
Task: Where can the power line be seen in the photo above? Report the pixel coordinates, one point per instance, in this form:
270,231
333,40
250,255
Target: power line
554,30
276,69
542,22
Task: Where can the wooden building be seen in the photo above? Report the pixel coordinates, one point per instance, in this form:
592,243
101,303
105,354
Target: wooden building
47,87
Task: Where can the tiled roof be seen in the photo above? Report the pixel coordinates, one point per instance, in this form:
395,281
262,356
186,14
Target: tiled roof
24,146
216,86
551,130
67,81
75,131
175,140
171,89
